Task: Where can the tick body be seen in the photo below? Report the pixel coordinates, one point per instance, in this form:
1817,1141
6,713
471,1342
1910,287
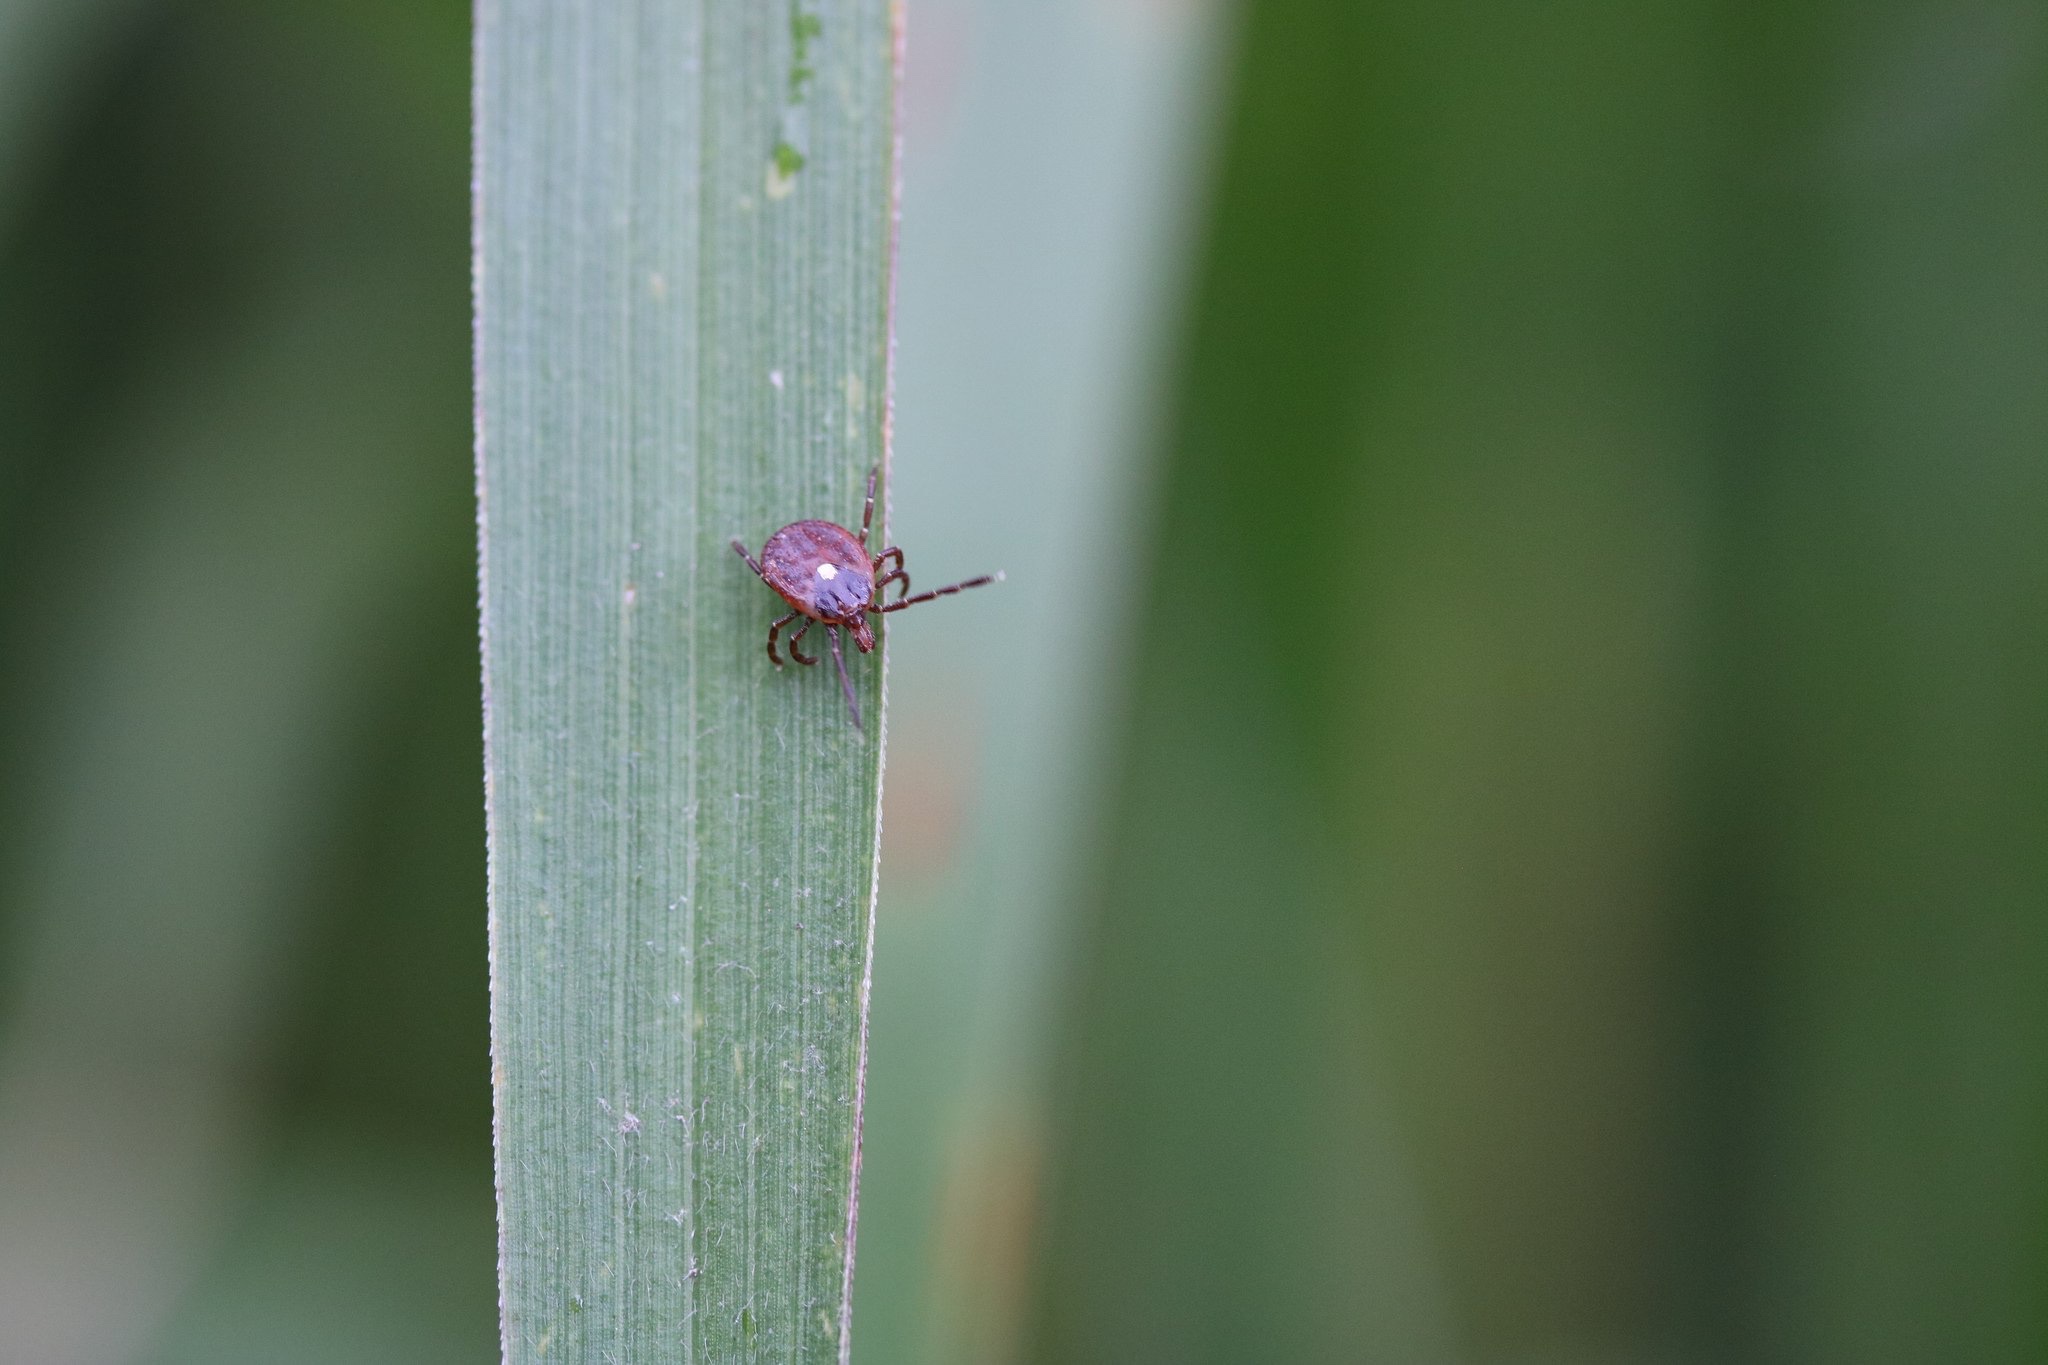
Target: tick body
827,576
824,572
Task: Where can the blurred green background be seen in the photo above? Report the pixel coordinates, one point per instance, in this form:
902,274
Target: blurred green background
1500,816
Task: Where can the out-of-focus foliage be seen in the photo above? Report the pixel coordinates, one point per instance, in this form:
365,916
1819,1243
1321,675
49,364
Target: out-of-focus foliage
1576,886
243,1089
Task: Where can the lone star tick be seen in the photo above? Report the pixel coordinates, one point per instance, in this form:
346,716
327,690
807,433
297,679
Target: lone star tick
825,573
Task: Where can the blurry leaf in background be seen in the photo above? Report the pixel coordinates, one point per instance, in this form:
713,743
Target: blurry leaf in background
1575,889
1869,892
1052,156
242,1014
47,50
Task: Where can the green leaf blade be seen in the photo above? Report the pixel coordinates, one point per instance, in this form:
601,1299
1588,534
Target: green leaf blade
681,339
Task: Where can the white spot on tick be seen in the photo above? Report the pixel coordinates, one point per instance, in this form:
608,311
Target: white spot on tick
827,572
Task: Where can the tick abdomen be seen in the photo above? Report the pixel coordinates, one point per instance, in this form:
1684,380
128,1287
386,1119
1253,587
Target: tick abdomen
820,569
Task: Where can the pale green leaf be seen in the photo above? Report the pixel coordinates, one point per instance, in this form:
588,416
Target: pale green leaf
684,220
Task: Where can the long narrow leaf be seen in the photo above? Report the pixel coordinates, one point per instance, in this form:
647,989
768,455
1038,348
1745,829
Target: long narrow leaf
683,235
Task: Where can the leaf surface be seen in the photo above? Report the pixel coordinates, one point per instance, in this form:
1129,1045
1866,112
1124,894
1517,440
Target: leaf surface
684,219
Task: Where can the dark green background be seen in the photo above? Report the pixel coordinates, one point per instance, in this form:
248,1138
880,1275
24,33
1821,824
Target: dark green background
1568,879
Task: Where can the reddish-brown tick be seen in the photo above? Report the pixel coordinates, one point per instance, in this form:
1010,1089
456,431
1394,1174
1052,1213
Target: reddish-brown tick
825,573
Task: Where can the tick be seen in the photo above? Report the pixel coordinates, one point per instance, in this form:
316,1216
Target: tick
826,575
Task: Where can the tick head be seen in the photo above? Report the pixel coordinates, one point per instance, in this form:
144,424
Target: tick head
863,635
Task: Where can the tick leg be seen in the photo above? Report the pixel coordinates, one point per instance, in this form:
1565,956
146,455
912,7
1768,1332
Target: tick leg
893,576
867,514
775,658
900,603
741,550
882,579
790,644
845,686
